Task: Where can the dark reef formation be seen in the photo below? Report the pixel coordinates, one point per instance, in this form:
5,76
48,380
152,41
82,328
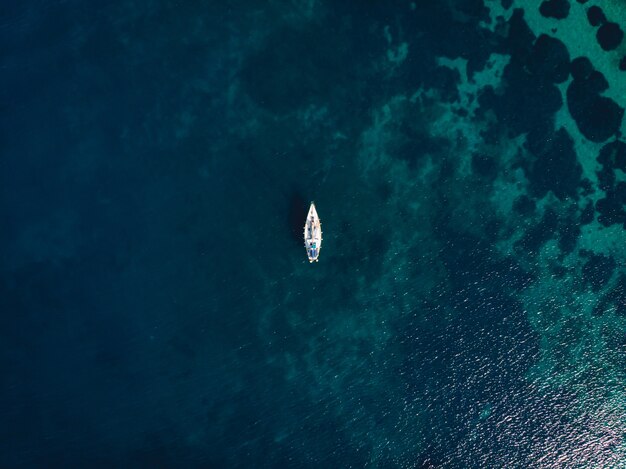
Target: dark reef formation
597,271
587,215
528,98
446,81
609,36
611,209
595,15
596,116
536,235
580,68
556,167
563,227
569,231
549,59
558,9
484,165
612,157
524,205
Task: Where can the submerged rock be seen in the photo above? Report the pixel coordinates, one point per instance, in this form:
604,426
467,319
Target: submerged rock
537,235
446,80
484,165
598,270
524,205
613,155
595,15
587,215
558,9
611,210
568,233
556,168
596,82
609,36
549,59
606,179
581,68
597,117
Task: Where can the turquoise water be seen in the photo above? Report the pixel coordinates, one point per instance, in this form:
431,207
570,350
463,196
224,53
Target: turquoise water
468,163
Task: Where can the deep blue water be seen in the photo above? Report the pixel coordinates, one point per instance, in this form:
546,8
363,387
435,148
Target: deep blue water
467,160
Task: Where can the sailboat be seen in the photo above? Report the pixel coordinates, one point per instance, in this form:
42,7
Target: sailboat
313,234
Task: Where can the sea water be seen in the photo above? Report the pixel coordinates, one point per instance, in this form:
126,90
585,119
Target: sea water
467,161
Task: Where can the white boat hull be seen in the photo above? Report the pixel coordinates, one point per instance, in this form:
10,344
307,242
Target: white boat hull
313,234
